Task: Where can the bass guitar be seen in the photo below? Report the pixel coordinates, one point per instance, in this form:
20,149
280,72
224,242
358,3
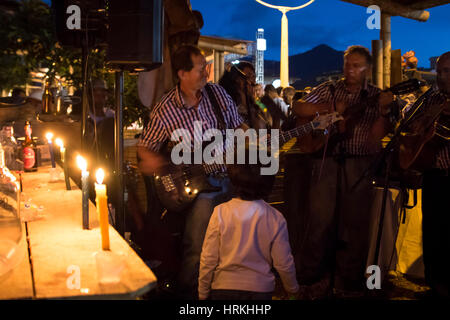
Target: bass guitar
177,186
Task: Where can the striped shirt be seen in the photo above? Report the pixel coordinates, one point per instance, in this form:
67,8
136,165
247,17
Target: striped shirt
356,144
436,98
172,113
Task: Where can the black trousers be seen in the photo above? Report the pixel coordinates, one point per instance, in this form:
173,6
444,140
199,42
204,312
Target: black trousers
436,230
335,245
296,183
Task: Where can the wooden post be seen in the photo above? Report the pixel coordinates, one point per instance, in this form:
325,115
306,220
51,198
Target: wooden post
385,34
221,63
216,66
396,67
377,66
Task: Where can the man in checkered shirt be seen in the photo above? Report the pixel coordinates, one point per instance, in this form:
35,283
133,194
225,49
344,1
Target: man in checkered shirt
178,109
334,246
436,190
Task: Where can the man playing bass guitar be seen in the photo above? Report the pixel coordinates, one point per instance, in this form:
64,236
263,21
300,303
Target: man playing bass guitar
426,147
188,102
333,251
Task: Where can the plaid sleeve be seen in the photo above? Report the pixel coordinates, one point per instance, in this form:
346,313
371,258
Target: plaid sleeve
320,94
231,114
154,134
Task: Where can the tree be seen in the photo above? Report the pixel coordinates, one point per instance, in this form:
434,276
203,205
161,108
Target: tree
28,42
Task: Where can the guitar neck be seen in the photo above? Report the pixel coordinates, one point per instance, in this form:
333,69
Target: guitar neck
284,137
299,131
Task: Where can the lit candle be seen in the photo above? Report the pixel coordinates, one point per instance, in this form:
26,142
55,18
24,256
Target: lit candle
102,208
62,152
82,164
49,137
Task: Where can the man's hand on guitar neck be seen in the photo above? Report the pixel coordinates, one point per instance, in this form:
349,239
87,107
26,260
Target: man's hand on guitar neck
150,162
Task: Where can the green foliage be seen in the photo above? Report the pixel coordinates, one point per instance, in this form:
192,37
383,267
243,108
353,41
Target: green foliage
28,42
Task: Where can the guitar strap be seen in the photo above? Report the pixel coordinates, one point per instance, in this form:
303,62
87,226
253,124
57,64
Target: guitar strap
332,89
216,107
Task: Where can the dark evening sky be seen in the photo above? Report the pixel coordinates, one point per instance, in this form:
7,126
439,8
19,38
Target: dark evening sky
332,22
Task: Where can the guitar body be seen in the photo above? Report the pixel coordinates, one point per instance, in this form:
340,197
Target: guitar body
178,186
312,142
418,149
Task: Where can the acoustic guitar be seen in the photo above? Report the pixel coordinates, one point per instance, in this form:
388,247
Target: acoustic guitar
314,142
419,144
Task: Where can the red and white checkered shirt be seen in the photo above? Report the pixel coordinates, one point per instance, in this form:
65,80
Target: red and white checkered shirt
443,154
356,144
171,113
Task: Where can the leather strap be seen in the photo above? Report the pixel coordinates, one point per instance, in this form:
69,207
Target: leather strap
216,107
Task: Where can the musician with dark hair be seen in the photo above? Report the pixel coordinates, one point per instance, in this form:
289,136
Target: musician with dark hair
239,82
333,244
190,102
426,147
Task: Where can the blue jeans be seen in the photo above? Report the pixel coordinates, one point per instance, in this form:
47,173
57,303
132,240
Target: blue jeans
196,223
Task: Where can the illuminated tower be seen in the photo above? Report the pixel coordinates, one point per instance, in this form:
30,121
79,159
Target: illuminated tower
284,57
260,48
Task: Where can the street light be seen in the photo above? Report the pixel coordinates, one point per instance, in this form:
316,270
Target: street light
284,57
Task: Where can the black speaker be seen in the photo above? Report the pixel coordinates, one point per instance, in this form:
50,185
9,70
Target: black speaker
135,34
92,27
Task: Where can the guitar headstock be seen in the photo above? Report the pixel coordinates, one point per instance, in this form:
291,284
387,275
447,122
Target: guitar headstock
322,122
407,86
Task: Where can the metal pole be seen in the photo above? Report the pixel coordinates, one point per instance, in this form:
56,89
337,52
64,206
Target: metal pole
284,56
118,154
84,101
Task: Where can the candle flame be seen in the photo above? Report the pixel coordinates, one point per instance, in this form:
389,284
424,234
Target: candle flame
49,136
59,142
82,164
100,175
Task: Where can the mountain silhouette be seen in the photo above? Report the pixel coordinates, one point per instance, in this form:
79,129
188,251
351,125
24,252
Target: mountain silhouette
308,65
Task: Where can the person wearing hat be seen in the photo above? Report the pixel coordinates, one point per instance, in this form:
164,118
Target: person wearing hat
97,96
100,129
35,100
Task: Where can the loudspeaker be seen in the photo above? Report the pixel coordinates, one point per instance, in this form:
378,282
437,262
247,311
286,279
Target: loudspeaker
91,31
135,34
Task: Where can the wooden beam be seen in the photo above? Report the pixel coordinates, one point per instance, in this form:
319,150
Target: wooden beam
394,9
239,49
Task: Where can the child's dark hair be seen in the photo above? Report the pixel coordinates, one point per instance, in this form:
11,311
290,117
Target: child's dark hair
248,183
